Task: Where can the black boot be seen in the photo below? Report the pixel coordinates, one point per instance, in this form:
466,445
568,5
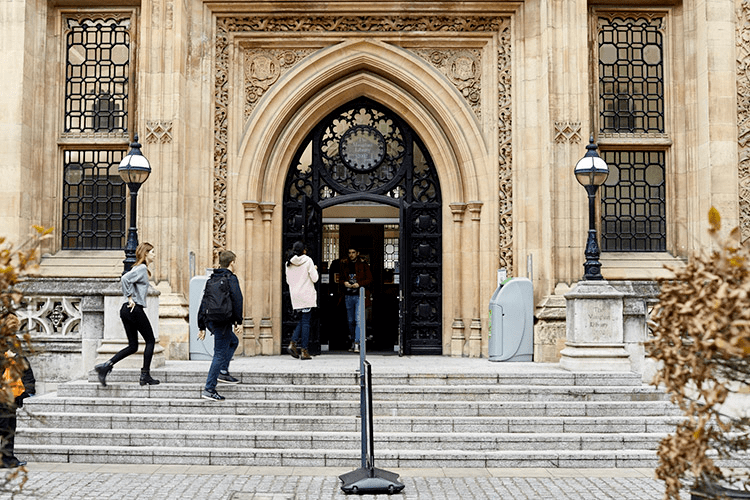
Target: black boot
146,378
103,369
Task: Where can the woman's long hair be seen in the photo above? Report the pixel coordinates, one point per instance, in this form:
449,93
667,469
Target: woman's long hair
297,249
140,254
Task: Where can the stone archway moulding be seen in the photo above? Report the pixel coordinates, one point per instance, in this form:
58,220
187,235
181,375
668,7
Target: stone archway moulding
454,140
362,58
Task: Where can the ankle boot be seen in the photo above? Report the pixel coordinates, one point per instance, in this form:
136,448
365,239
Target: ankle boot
305,355
146,378
102,370
292,349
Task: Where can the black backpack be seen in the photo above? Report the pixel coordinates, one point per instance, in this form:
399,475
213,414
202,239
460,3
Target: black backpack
217,299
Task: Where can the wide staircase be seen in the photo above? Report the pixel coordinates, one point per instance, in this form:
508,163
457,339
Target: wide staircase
292,413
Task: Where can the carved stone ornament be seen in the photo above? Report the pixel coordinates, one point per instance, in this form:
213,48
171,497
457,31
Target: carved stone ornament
264,67
159,131
743,115
568,132
463,68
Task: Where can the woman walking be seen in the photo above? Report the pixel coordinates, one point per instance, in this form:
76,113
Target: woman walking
133,316
301,276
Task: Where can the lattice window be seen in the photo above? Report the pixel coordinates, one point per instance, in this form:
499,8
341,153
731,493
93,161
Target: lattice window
97,65
94,199
97,75
630,63
633,211
631,74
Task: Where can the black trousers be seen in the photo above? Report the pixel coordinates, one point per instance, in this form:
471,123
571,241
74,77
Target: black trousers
7,431
136,321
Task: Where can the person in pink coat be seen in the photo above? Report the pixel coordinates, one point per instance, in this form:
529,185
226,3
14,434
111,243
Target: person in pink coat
301,276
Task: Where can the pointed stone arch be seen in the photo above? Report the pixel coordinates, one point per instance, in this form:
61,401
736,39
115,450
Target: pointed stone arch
431,106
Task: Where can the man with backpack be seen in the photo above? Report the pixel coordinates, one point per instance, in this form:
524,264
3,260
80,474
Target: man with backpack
220,309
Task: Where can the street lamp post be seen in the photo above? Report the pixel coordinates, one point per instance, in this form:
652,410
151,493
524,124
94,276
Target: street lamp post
591,172
134,170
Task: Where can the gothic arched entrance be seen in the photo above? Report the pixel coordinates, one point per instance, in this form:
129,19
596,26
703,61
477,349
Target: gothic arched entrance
365,153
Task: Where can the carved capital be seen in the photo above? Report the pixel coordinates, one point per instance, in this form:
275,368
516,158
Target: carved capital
250,208
458,210
266,208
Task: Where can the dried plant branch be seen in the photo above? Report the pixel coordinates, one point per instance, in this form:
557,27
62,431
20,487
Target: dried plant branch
701,340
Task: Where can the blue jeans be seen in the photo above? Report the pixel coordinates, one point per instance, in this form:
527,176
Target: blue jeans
225,343
352,315
302,330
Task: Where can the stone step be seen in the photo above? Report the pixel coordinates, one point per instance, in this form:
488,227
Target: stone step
461,414
342,440
338,458
437,378
47,404
380,393
148,421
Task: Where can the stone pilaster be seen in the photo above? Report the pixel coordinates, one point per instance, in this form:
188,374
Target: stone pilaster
458,333
266,324
475,335
250,344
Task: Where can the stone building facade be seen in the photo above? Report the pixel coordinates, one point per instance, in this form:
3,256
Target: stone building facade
440,137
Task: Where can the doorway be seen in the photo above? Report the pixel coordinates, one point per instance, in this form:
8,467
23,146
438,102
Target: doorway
377,244
363,158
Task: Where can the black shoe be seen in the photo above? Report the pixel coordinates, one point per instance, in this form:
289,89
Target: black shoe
227,379
206,394
147,379
12,463
102,370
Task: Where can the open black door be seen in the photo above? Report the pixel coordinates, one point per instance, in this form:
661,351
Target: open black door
312,236
305,223
403,277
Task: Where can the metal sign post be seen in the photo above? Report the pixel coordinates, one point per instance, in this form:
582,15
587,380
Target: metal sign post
367,479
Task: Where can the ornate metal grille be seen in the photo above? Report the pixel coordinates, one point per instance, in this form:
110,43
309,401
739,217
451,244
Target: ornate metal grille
633,202
631,74
93,200
97,71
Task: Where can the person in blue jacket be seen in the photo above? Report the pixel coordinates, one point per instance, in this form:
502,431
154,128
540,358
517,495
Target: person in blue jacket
225,340
134,319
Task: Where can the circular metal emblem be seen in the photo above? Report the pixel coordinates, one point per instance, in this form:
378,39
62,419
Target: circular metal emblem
362,148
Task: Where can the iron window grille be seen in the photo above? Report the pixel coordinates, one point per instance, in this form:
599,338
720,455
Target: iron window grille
630,58
97,65
94,200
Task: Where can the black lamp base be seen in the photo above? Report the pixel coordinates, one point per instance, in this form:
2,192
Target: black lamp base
370,481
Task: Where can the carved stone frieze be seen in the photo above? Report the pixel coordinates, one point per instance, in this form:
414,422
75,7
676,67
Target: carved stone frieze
743,115
505,147
263,67
568,132
463,71
159,131
463,68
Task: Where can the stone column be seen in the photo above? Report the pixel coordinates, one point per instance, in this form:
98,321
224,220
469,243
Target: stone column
475,334
595,336
458,335
266,330
249,342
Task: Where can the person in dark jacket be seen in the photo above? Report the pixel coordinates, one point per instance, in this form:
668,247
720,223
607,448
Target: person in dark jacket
225,340
22,388
355,273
